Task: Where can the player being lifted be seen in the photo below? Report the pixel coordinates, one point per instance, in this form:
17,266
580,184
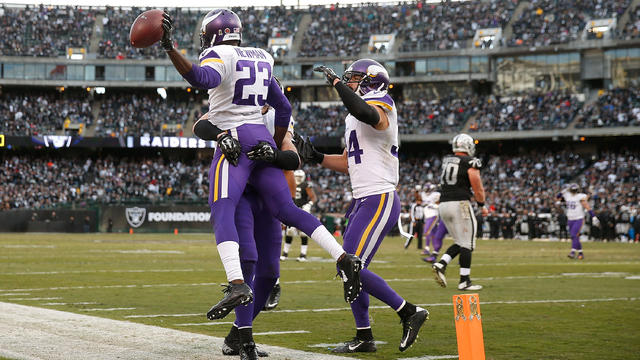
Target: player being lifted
576,203
460,174
239,82
371,160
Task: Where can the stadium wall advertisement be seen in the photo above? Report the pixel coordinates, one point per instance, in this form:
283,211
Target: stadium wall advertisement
68,141
140,218
155,218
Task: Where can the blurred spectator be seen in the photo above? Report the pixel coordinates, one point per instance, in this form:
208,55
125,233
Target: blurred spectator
450,25
44,31
618,107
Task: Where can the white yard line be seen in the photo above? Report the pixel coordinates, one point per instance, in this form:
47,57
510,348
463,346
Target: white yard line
109,309
74,303
101,271
34,299
206,323
591,275
283,332
36,333
503,302
15,294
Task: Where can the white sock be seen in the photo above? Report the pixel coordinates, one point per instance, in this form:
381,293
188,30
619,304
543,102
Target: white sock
303,250
323,237
230,257
446,258
287,246
465,271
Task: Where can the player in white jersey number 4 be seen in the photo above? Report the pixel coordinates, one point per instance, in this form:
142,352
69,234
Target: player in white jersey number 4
371,160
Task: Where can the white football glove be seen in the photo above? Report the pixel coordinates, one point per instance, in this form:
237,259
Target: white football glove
307,207
595,221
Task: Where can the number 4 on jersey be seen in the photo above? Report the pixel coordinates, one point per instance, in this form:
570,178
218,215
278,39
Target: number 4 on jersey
354,147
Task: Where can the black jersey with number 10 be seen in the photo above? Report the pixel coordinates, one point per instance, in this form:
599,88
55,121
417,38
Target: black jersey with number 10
454,179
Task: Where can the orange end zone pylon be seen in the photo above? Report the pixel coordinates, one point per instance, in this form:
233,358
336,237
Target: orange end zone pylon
468,319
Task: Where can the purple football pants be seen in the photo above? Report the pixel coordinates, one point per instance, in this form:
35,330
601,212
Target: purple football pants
227,184
370,219
574,231
260,242
429,226
437,235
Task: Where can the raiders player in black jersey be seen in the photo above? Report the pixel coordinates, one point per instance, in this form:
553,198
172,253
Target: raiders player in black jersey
460,174
304,199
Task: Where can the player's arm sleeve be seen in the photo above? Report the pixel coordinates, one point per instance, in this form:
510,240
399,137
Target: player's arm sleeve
287,157
203,77
357,106
205,130
279,102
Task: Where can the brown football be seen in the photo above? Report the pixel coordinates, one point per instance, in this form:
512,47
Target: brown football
146,30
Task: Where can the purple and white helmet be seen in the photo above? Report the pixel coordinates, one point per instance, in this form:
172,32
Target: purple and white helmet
219,25
374,77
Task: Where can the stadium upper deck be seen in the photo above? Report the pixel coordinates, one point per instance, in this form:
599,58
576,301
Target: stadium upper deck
518,68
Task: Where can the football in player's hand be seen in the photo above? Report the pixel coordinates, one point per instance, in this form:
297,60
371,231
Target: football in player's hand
146,30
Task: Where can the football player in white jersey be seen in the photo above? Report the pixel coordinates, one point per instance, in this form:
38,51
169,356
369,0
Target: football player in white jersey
239,82
576,203
371,160
430,200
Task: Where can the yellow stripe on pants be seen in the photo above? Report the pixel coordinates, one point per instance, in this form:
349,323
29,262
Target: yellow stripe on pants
217,178
364,237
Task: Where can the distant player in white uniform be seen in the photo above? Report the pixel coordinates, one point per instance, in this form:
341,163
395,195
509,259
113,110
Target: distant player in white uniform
304,197
371,160
576,204
430,200
460,175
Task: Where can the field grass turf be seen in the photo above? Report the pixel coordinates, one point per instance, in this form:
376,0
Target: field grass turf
536,304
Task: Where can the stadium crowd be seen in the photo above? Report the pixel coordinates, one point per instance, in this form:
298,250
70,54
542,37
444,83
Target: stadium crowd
521,189
133,114
617,107
114,42
44,31
45,182
45,113
334,30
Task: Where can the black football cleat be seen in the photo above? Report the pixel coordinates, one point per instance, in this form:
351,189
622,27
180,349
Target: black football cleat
410,327
231,347
349,270
234,295
356,345
274,298
248,351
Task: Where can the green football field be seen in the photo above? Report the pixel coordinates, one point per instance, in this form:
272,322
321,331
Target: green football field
536,303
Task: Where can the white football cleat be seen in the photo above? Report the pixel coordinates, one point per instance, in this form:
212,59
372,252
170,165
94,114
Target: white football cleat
468,286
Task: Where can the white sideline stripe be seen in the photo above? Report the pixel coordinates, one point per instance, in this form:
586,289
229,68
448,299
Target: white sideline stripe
205,324
161,315
503,302
325,345
108,309
99,271
283,332
75,303
15,294
20,246
425,279
634,277
35,333
141,251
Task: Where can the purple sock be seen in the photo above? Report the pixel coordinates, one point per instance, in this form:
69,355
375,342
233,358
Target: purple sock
244,313
360,310
377,287
261,290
